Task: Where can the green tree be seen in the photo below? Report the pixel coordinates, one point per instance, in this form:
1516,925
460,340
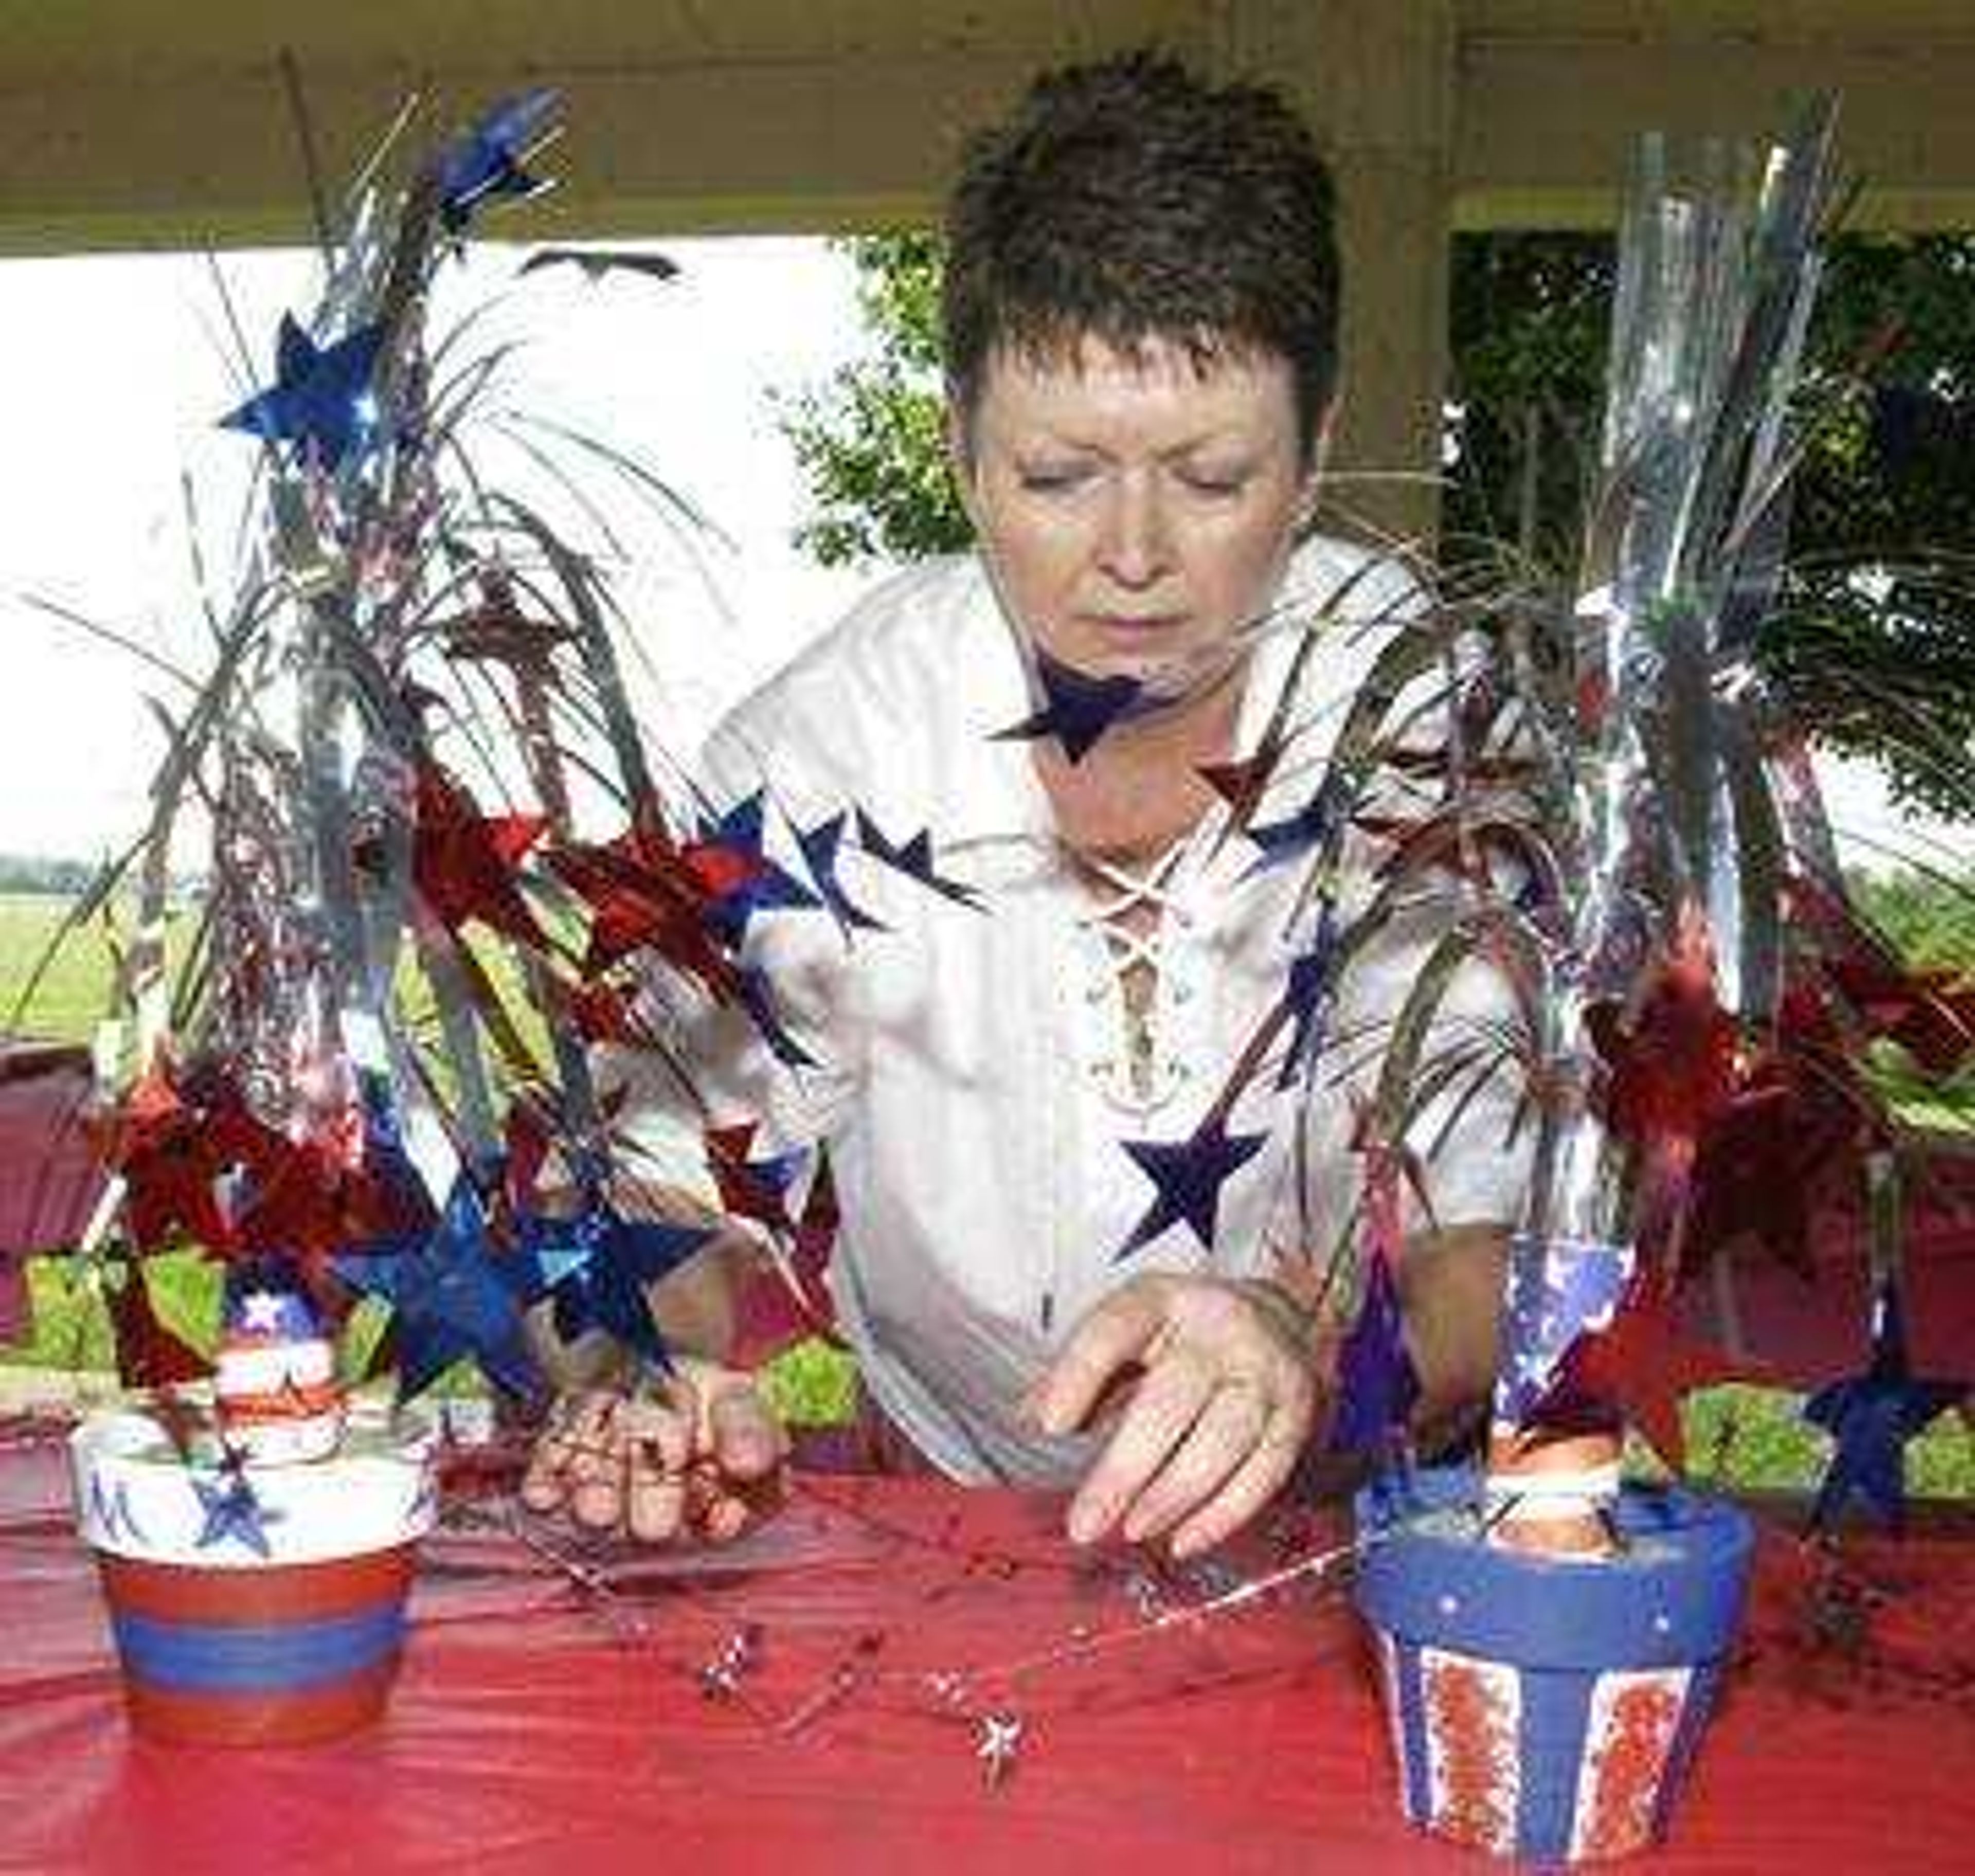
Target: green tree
871,442
1876,646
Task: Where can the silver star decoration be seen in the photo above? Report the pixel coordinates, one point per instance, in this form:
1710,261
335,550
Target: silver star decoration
997,1739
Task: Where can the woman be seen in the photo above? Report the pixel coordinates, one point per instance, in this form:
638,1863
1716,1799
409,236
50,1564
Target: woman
1057,1264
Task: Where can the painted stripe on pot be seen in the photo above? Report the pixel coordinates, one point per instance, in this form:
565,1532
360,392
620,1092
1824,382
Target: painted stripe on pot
1473,1718
184,1592
1418,1795
1555,1707
296,1654
1629,1735
1701,1691
293,1717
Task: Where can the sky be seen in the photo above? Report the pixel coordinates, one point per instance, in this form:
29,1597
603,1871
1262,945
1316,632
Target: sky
114,370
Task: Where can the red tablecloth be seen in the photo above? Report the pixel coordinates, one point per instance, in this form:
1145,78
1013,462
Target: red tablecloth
534,1727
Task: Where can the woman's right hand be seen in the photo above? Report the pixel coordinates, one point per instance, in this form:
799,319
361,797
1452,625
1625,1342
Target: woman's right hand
701,1456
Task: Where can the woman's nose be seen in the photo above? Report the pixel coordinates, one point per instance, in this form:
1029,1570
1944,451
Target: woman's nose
1137,547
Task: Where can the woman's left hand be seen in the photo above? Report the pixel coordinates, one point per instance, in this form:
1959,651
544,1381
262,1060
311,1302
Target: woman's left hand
1223,1397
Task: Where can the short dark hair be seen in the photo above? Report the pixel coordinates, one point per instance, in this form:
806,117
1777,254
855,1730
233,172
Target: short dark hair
1129,199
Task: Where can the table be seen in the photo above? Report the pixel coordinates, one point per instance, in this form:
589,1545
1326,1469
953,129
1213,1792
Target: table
539,1725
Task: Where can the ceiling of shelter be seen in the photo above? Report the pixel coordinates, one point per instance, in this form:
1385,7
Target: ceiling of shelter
130,123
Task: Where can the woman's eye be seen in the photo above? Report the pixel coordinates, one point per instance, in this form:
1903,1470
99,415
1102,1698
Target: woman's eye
1054,478
1213,482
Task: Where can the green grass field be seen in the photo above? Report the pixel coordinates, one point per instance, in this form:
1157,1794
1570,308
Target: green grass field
1746,1437
72,996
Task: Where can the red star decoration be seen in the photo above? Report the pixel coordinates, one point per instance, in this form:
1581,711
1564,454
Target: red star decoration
498,632
755,1189
1673,1061
463,861
148,1354
171,1150
1644,1364
311,1202
645,890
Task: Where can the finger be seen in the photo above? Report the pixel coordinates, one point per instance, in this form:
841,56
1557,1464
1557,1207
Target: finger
595,1471
1169,1400
1114,1336
745,1438
545,1484
1228,1430
658,1447
1257,1480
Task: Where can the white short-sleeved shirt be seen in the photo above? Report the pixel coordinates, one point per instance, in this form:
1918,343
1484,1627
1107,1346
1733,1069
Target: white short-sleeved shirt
974,1087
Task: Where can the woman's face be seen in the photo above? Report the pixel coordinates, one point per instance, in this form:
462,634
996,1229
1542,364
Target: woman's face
1134,509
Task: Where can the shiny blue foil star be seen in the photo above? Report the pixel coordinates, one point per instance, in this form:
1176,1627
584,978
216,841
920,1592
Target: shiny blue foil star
1871,1416
321,399
1377,1384
484,163
599,1264
1188,1175
1307,1000
765,888
1077,708
450,1299
1284,841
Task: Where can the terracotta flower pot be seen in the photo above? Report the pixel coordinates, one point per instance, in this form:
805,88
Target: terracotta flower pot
260,1606
1546,1707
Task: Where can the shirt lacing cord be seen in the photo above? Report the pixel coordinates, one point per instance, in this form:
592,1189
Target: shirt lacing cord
1137,924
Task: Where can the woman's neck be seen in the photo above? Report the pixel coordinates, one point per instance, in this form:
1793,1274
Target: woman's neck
1139,789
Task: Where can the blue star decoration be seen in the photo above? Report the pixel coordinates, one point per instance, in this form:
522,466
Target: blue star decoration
450,1299
1077,708
1305,1000
595,1267
763,886
1188,1175
232,1513
485,162
1295,834
818,847
321,398
914,858
1871,1416
1377,1384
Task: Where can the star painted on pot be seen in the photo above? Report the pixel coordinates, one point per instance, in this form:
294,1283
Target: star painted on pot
914,858
818,846
1872,1417
449,1299
1077,708
322,399
1188,1175
485,162
234,1514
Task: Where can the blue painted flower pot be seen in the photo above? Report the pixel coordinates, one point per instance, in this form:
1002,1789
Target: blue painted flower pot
1547,1707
